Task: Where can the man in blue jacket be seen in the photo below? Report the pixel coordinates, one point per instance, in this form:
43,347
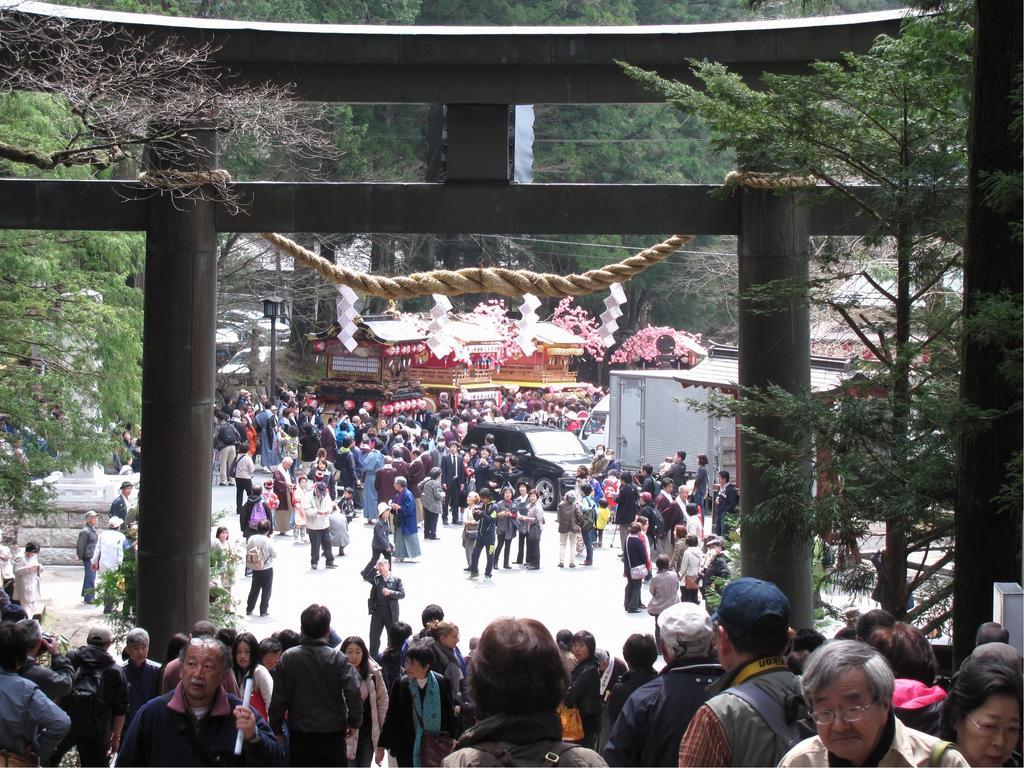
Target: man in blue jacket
198,722
652,722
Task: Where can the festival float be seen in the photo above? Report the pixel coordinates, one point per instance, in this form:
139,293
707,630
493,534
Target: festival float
464,372
371,368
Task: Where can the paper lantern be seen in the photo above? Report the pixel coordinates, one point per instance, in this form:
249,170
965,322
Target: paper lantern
319,346
368,406
387,409
349,405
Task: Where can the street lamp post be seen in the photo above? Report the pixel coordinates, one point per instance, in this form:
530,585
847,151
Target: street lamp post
273,308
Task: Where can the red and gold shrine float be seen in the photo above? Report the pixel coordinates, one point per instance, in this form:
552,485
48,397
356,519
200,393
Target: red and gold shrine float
466,374
548,366
376,374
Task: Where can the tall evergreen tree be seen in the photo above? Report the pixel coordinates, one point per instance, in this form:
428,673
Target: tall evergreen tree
892,118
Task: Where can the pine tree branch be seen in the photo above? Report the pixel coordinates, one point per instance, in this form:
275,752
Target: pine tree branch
930,602
876,351
950,263
931,570
874,284
844,189
929,536
27,157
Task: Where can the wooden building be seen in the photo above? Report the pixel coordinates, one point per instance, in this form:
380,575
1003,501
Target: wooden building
466,374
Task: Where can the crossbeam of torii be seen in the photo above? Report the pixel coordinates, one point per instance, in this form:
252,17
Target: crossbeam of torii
478,73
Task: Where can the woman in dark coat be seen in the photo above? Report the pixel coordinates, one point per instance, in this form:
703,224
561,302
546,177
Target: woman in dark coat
433,706
585,687
517,680
628,506
635,554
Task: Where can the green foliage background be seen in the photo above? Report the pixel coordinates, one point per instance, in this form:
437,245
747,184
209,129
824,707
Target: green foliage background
72,326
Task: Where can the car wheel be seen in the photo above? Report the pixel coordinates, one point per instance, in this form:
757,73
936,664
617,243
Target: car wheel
547,490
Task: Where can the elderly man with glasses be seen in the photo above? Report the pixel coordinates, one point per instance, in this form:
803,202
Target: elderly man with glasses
198,722
849,685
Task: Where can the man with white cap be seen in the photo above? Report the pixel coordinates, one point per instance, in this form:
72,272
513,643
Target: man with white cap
109,554
85,549
652,722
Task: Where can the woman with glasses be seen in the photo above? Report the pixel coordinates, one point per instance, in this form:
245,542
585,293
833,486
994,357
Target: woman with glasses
848,686
982,715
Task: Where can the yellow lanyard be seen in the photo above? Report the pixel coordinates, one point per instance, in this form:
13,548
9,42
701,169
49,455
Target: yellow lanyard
759,667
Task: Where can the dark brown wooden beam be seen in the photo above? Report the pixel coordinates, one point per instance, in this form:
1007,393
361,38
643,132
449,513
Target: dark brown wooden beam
464,208
496,65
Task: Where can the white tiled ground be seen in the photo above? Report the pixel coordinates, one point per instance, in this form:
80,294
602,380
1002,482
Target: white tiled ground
581,598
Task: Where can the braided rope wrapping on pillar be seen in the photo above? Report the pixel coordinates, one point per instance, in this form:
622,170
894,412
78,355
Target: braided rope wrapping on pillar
763,180
172,179
504,282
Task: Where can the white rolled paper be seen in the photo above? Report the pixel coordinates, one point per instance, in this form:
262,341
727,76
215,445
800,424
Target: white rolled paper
527,323
612,312
346,305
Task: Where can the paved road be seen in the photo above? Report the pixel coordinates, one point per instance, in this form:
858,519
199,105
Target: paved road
580,598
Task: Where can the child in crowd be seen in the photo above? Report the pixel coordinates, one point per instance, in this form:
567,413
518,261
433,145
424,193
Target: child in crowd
348,504
604,514
302,493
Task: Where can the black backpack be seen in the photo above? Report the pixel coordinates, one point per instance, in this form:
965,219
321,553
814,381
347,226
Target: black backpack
656,523
546,753
791,723
233,469
227,434
84,703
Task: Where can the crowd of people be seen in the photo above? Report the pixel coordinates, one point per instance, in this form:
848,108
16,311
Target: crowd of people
737,688
405,472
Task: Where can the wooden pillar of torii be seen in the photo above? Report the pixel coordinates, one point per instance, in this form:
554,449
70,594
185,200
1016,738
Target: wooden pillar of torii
178,367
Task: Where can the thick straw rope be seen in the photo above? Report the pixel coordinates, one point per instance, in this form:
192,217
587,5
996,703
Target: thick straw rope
504,282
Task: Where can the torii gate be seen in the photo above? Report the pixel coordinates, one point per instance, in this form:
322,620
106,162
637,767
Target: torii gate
478,73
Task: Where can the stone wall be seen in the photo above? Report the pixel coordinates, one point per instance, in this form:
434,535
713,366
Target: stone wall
56,533
56,530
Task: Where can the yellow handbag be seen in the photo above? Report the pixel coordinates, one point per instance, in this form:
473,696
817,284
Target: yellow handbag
572,723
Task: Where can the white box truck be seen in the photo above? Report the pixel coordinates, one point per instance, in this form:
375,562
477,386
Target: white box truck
650,419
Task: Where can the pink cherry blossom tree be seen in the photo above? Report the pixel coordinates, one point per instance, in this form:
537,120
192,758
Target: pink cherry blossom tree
493,315
641,346
575,319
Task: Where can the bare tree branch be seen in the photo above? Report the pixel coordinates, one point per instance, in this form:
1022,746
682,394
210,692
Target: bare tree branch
120,92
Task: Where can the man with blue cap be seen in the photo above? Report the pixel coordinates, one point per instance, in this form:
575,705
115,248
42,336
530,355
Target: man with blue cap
758,695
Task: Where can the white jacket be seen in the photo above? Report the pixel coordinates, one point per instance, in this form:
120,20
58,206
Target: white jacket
109,550
318,513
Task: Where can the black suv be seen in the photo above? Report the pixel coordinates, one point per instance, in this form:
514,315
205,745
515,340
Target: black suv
547,457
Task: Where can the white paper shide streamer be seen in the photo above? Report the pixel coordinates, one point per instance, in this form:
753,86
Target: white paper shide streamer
440,342
612,313
527,323
346,304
